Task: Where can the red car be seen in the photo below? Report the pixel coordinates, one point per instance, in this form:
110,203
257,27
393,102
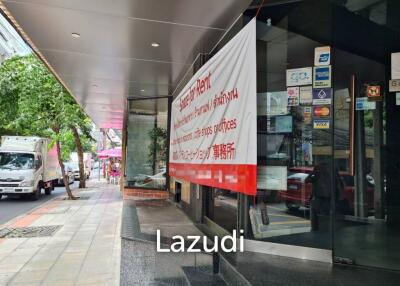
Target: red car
298,193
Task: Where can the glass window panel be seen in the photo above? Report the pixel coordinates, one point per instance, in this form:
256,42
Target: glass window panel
147,143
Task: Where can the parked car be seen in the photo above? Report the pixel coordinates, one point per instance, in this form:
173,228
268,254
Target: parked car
70,174
75,169
87,164
299,191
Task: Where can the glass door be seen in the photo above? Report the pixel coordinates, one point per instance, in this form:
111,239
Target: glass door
366,137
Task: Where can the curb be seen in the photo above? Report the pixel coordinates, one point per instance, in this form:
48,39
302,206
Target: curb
13,220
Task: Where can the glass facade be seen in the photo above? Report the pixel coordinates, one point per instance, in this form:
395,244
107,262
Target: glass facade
327,133
367,218
328,169
294,156
147,137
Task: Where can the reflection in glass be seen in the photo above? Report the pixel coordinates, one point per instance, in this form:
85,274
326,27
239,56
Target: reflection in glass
147,143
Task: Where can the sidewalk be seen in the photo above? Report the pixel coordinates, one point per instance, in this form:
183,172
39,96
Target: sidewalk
141,264
84,248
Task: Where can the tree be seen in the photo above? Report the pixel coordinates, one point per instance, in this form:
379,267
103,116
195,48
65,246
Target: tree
80,126
43,106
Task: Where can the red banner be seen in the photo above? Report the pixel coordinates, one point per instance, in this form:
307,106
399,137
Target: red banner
238,178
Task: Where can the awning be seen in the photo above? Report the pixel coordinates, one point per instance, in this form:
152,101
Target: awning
110,153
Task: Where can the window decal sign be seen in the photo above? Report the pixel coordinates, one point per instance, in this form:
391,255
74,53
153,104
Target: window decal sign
322,77
301,76
394,85
374,91
322,96
213,138
322,56
293,96
395,60
305,94
363,103
321,111
322,123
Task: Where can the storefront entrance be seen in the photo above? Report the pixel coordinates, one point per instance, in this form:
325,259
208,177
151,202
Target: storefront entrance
328,166
328,135
366,136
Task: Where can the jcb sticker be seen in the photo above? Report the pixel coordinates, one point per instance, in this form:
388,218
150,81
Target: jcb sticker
322,124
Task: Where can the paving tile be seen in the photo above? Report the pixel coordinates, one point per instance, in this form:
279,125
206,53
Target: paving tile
5,278
10,268
86,247
58,282
40,265
28,277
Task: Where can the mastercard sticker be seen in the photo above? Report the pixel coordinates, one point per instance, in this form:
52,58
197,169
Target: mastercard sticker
321,111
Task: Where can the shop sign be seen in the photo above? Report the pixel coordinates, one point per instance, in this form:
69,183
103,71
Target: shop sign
322,56
374,91
395,65
322,76
301,76
394,85
213,139
307,114
293,96
321,111
363,103
322,96
306,94
397,98
322,123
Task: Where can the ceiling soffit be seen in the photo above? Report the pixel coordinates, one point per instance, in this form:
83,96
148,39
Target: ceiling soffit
114,59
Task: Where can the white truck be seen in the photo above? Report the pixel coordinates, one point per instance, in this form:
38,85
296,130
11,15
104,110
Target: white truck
27,165
87,163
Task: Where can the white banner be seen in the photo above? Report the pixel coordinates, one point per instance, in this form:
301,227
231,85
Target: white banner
214,119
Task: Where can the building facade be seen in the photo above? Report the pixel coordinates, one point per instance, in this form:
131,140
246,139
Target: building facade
328,162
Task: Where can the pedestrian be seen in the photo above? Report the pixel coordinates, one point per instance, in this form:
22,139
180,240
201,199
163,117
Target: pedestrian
109,169
320,203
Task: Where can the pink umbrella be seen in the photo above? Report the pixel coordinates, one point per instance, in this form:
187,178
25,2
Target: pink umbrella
110,153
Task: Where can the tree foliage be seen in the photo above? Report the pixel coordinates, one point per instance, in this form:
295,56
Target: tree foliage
35,103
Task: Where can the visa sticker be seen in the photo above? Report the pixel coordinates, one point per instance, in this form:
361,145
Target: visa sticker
322,124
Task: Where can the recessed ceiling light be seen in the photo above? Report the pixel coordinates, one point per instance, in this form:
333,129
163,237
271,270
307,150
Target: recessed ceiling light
155,45
75,35
142,90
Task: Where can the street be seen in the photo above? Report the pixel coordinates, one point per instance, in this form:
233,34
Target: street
13,207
